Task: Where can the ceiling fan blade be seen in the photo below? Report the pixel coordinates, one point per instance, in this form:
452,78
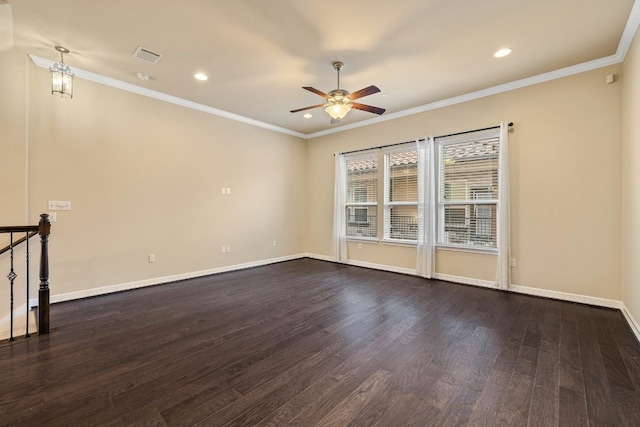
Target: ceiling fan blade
308,108
363,92
317,92
368,108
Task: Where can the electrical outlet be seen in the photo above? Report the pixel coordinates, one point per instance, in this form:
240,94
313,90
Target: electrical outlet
359,245
152,258
53,216
224,249
228,248
512,262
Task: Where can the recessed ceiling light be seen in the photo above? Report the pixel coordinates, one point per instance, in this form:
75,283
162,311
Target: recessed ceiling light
201,76
502,52
143,76
307,116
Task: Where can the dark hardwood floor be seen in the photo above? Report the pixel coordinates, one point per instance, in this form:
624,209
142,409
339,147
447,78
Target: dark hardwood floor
306,343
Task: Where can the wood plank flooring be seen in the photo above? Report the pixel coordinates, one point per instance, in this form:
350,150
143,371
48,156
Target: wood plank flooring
311,343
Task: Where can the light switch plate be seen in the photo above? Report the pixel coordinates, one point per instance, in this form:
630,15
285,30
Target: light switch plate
56,205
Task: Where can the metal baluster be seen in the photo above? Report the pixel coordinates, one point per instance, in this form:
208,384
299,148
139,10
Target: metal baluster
27,305
12,276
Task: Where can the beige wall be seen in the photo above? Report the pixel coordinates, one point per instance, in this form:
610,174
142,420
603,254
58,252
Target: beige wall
12,139
631,181
565,184
145,177
13,183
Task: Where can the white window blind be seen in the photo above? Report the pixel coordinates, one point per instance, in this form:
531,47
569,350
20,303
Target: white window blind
361,202
468,190
401,194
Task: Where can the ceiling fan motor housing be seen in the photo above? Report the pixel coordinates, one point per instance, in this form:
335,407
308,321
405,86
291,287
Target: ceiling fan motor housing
339,95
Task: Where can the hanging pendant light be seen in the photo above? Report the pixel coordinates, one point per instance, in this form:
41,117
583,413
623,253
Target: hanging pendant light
61,76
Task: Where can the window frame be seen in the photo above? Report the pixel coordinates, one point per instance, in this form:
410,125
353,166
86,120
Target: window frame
352,206
388,204
470,203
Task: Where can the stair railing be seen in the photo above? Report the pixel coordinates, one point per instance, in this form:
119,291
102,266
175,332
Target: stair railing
43,229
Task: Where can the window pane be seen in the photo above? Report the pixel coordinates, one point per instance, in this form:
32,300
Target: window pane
468,187
470,224
362,179
469,170
361,221
362,194
403,176
403,222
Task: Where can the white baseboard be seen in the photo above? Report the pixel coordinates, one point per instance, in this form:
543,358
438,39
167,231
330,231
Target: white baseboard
19,325
564,296
166,279
370,265
466,280
320,257
393,269
538,292
633,324
18,312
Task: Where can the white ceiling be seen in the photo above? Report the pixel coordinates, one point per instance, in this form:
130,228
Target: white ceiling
259,53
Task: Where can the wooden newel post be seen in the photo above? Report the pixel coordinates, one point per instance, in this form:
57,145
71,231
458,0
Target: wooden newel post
43,293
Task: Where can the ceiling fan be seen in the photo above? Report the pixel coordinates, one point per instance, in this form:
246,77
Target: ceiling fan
340,102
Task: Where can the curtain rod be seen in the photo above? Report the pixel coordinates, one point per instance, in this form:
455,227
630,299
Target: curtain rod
471,131
379,147
422,139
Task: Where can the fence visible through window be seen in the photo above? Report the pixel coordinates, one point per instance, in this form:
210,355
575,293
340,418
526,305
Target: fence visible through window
361,226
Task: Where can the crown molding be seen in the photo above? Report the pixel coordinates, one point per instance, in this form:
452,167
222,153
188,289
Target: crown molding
119,84
633,22
629,31
506,87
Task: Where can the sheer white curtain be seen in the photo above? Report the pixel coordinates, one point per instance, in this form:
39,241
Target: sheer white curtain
426,209
503,273
338,239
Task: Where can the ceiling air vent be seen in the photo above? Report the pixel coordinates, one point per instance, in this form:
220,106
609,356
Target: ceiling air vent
147,55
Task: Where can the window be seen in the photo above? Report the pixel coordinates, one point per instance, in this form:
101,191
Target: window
362,196
468,191
441,192
401,195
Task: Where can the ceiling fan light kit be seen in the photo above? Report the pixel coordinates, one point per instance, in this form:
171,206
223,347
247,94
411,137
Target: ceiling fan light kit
340,102
338,110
